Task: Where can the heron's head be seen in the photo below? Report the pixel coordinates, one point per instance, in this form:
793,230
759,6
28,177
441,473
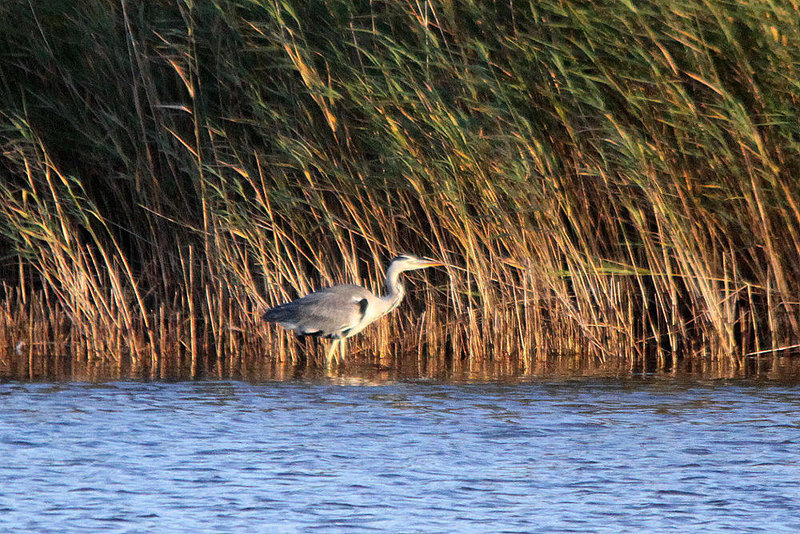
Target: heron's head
409,262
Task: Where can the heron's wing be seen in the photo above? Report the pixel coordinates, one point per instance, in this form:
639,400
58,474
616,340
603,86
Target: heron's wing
332,311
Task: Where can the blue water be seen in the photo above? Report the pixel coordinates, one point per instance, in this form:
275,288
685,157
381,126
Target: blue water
545,456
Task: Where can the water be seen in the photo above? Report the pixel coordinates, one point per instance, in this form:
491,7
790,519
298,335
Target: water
543,456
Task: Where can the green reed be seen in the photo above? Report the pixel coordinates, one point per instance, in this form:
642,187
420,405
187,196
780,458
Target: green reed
610,180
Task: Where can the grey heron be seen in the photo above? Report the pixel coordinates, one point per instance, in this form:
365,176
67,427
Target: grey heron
341,311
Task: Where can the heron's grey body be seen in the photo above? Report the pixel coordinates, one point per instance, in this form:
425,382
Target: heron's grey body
341,311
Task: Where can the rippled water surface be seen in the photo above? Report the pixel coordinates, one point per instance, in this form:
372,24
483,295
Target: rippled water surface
544,456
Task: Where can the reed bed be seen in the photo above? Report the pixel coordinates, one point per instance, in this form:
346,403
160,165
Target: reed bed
614,183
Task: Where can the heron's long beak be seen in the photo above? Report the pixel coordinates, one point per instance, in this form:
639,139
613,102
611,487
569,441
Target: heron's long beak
431,263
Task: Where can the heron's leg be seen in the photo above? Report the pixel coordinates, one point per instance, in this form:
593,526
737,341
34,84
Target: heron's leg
331,352
342,345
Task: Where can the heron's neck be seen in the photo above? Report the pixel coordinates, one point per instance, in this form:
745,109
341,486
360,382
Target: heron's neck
394,288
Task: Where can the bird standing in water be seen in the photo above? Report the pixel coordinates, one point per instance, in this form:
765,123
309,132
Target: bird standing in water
341,311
